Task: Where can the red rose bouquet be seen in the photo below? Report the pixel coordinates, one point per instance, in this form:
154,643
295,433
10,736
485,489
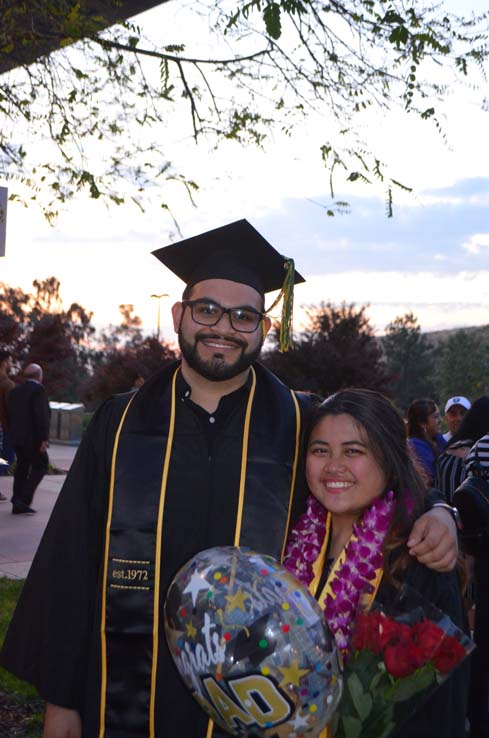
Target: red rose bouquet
395,663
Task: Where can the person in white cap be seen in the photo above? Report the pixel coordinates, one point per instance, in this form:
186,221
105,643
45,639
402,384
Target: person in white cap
450,469
455,410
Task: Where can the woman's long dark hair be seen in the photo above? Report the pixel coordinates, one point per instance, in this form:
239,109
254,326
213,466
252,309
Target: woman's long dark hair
385,433
475,423
418,413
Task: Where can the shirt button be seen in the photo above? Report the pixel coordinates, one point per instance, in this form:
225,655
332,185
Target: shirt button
187,393
212,419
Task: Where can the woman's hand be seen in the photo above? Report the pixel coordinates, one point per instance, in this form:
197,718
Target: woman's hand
59,722
433,540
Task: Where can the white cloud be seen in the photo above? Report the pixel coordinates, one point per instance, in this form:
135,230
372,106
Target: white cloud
438,300
476,243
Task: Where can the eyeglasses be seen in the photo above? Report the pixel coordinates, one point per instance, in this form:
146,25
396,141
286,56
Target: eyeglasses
204,312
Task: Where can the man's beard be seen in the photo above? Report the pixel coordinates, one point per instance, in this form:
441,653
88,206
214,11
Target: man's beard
216,369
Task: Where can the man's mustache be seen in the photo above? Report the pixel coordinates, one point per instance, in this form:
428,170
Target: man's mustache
219,337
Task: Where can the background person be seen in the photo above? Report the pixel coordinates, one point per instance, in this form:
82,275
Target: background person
455,410
137,383
424,437
450,469
28,417
477,482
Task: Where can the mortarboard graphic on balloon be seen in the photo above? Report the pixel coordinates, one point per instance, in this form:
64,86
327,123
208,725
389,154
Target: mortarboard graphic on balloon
252,645
236,252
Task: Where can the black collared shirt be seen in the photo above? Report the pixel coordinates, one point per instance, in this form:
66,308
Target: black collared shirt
212,423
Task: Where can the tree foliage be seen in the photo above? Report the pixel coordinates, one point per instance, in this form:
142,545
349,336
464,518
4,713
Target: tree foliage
96,109
118,369
410,360
35,328
463,366
78,364
123,355
337,349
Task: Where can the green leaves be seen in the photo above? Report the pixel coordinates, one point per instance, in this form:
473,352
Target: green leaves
393,17
352,727
108,98
271,16
272,13
407,687
362,701
399,36
409,359
89,179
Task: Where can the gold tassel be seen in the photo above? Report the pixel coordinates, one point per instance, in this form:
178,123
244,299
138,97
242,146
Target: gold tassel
286,338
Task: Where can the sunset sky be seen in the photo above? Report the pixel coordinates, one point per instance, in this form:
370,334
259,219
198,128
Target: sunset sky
432,257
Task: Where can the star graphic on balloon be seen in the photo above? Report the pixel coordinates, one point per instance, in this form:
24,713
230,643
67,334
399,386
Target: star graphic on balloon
195,585
237,600
292,674
299,722
191,630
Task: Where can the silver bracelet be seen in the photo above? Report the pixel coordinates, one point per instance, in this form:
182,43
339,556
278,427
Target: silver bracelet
453,512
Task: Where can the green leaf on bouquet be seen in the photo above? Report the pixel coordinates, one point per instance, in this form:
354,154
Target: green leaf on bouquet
380,723
352,727
404,689
375,681
361,699
364,665
387,730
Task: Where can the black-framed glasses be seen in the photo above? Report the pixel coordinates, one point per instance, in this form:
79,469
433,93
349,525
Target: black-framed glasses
205,312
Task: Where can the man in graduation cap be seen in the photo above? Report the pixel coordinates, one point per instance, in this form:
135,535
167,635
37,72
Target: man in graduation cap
204,454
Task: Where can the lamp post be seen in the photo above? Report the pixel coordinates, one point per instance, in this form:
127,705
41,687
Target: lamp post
158,297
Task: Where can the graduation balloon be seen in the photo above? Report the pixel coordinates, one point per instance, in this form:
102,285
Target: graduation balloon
252,645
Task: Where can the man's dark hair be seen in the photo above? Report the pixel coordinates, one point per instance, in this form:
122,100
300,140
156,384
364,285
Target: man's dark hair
187,294
4,354
418,413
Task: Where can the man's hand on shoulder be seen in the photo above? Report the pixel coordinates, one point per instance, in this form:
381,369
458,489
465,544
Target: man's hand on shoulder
433,540
59,722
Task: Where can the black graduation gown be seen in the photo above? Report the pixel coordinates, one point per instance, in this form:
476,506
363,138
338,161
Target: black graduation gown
442,715
54,640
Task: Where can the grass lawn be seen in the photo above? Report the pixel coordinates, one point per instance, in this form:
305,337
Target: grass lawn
20,708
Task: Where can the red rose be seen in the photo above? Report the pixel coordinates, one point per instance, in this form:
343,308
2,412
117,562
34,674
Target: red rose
366,633
392,632
428,636
402,659
450,653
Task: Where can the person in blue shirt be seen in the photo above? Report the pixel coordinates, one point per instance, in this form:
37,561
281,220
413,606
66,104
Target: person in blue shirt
424,435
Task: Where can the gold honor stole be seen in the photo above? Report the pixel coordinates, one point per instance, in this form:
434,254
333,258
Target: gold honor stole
367,599
133,560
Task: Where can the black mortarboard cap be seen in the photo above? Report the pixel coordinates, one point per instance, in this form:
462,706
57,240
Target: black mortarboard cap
235,251
239,253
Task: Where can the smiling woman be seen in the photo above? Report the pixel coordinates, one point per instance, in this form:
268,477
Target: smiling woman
342,473
350,547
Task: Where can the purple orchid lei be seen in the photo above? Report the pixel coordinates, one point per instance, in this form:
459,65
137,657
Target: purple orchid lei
363,556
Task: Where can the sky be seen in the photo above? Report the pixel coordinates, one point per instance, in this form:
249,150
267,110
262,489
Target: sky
431,258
